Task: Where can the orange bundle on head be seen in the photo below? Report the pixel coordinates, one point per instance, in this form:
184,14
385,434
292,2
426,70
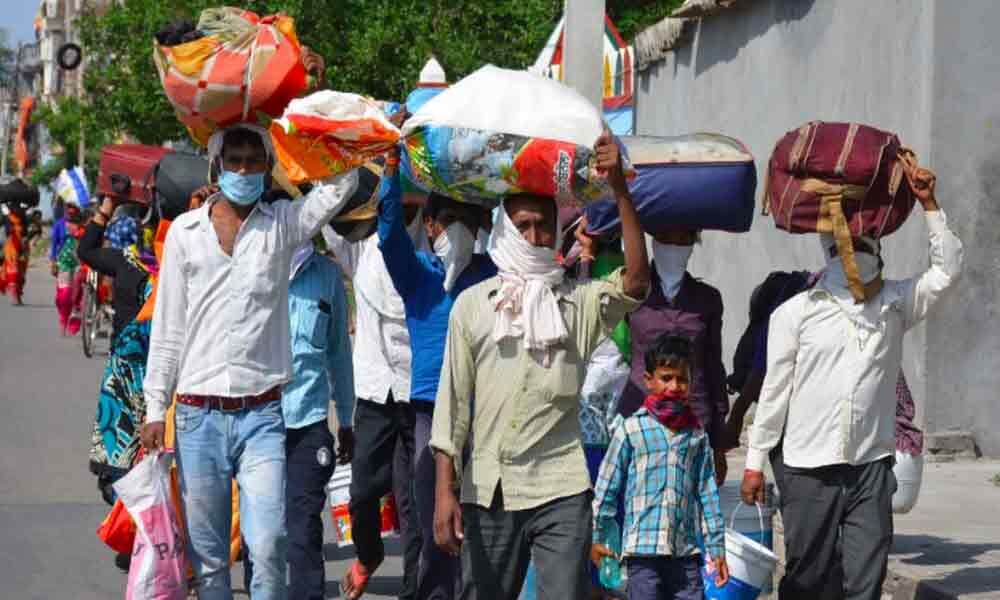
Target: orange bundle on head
245,67
330,132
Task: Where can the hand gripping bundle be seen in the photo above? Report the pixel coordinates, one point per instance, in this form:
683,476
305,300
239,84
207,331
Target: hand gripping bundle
845,179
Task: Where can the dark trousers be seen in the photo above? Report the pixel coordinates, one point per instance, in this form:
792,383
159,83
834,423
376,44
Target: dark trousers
439,572
499,544
383,462
665,577
839,514
833,589
306,451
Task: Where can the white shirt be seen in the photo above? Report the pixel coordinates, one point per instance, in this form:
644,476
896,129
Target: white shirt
381,339
830,387
220,324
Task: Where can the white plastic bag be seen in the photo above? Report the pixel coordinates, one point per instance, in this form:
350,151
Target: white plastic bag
909,472
607,374
159,564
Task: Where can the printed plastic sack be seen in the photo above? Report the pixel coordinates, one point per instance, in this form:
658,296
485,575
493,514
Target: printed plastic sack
329,132
245,67
700,181
159,565
117,530
499,132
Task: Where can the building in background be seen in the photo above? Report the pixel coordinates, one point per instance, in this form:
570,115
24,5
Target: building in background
925,69
618,70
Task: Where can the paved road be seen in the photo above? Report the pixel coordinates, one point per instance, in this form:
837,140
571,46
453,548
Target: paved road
49,505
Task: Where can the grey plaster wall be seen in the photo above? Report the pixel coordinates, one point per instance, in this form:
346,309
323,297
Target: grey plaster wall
926,70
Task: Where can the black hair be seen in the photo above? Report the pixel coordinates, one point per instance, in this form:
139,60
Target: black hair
668,351
438,202
241,136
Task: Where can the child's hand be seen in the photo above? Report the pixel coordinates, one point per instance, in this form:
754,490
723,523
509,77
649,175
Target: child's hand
721,572
599,551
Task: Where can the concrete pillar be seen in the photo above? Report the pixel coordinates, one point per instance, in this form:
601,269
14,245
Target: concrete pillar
583,47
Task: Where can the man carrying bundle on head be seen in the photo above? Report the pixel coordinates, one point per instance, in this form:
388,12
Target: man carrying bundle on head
220,339
429,284
829,397
517,348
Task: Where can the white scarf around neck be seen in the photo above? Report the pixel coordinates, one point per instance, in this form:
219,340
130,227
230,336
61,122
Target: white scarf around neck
526,305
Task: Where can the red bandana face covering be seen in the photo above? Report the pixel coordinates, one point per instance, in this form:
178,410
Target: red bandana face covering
672,410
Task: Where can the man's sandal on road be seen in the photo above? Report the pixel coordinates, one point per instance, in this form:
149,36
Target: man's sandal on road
355,581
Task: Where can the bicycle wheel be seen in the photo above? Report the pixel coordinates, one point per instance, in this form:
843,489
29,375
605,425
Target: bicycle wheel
88,328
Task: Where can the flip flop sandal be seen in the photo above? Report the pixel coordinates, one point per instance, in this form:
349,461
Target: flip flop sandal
359,579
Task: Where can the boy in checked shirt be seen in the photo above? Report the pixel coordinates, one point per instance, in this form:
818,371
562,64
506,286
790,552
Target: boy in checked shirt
661,457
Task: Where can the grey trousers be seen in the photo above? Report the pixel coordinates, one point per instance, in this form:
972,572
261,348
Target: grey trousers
837,514
499,544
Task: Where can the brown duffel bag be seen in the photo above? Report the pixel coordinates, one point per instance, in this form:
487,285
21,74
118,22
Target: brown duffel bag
845,179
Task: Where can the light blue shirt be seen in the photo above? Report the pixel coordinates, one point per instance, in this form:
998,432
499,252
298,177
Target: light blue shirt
321,348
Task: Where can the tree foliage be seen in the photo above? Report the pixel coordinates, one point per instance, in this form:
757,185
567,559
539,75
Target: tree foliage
374,47
632,16
65,121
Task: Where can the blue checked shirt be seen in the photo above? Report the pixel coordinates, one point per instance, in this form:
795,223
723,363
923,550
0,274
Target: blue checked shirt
321,348
669,483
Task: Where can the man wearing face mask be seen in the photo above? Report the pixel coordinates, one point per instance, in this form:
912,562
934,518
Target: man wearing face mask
829,396
518,345
383,415
678,304
221,339
429,283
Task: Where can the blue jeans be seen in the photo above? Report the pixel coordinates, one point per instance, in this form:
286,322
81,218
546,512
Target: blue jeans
213,447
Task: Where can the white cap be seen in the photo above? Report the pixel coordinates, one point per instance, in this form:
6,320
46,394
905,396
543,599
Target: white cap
432,75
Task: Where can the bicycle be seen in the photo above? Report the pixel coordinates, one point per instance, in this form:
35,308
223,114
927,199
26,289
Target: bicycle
97,314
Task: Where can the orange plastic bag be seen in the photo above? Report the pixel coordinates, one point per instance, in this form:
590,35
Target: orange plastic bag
118,530
329,132
245,68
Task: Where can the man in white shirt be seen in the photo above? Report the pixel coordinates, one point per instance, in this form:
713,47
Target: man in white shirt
221,340
830,390
383,416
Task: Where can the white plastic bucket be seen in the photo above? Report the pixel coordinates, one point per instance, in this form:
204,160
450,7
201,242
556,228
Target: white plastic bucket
751,566
909,472
338,490
759,530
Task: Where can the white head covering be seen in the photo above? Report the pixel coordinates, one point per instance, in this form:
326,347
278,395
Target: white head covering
215,142
864,316
526,305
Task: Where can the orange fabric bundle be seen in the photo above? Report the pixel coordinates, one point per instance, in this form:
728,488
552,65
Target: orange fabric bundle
329,132
245,68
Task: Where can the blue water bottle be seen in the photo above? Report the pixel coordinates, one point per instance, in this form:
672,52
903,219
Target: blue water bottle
611,569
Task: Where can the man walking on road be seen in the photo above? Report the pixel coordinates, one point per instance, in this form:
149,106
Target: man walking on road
429,282
517,349
323,371
829,397
220,338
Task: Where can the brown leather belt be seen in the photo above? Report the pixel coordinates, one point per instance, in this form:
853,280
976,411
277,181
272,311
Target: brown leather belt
230,404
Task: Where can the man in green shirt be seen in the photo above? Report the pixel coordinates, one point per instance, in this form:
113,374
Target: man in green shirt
517,349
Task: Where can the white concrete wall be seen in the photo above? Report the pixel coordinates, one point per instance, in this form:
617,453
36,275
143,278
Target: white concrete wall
768,66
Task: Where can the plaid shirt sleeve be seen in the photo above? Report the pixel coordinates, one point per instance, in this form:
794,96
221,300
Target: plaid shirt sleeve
610,478
708,496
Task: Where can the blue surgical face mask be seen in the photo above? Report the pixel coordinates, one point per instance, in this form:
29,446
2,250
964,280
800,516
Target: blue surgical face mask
242,189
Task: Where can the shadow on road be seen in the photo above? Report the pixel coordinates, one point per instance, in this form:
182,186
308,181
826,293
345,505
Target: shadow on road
934,551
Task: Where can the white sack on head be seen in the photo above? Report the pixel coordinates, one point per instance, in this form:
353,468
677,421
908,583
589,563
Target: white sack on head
513,102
